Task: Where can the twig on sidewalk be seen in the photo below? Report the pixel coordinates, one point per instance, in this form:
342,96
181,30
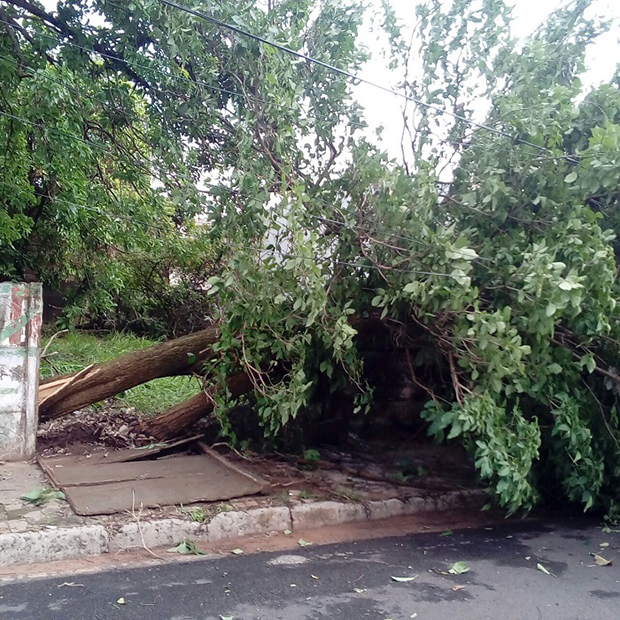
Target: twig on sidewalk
137,516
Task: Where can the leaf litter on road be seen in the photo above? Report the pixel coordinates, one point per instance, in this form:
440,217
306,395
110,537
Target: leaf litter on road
403,579
187,547
601,561
71,584
458,568
303,543
542,569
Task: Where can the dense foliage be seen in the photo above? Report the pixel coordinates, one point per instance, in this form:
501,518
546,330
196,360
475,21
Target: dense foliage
491,251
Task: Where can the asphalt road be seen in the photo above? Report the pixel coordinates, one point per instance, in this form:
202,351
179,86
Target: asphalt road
354,581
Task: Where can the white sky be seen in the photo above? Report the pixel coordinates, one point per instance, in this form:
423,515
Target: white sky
383,109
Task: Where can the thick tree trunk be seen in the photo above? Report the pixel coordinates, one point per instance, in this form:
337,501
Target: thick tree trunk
172,423
105,380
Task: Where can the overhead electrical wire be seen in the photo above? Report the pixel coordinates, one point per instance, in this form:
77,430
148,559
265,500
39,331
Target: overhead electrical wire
249,248
355,77
208,86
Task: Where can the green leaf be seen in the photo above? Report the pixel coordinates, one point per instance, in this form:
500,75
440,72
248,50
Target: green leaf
458,568
541,568
571,177
302,543
39,496
187,547
403,579
35,496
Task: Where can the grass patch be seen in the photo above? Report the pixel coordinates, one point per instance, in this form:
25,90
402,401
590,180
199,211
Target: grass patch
76,350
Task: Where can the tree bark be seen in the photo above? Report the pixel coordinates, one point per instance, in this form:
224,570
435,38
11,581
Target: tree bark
171,423
107,379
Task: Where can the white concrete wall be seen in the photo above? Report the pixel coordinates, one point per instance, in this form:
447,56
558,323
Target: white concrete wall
20,327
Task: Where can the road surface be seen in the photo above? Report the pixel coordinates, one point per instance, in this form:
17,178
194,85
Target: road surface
355,581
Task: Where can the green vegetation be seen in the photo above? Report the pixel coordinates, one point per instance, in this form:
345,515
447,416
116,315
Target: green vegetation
76,350
490,251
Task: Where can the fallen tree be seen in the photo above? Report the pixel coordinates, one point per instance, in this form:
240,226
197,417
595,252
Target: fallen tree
179,419
101,381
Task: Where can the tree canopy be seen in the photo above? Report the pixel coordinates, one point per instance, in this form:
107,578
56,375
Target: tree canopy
490,249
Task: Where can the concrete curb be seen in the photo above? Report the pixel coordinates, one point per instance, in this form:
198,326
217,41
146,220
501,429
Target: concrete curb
56,543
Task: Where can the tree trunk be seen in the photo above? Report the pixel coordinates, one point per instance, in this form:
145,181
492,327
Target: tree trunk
105,380
171,423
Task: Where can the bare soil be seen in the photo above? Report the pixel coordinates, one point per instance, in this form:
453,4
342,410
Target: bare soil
357,471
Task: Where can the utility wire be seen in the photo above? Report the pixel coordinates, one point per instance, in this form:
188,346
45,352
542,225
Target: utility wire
250,248
58,131
183,78
355,77
212,186
223,90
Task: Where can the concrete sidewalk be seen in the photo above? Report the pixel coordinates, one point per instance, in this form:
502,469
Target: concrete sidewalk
51,532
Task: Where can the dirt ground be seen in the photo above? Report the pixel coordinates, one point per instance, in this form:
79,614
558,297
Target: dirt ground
360,470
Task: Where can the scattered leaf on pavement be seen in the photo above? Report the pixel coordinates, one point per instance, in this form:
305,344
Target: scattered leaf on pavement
237,551
71,584
314,576
41,495
226,618
458,568
413,615
302,543
457,588
601,561
447,533
541,568
604,544
185,548
403,579
121,601
287,532
359,590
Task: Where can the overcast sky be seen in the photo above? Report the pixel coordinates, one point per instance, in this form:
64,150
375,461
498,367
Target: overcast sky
385,109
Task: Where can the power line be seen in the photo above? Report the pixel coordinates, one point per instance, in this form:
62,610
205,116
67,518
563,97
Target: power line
54,130
212,186
355,77
251,248
182,78
233,93
386,232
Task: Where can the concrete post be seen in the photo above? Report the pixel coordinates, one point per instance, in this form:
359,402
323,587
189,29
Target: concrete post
20,328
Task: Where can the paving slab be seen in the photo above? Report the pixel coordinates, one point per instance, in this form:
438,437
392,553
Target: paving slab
52,532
